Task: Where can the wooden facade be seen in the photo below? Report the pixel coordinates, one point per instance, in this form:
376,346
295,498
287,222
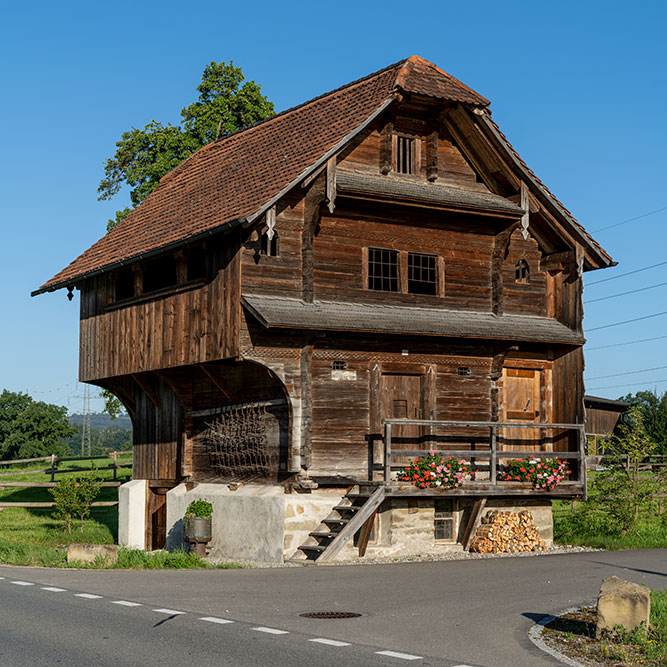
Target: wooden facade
416,270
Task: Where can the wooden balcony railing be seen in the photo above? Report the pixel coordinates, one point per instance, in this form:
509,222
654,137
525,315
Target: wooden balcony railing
496,433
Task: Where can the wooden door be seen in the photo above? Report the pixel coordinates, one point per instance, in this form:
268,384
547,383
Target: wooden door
156,510
401,399
522,400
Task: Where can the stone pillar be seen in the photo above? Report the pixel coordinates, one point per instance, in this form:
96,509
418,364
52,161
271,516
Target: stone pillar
132,498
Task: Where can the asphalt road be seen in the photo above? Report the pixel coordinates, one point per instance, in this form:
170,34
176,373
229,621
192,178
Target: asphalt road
474,612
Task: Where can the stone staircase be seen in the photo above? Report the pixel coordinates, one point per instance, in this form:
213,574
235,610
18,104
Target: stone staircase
345,519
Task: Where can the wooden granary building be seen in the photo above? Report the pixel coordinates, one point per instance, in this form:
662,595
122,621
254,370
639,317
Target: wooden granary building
301,304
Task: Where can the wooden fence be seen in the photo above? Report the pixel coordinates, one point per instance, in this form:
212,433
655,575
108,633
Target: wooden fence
54,469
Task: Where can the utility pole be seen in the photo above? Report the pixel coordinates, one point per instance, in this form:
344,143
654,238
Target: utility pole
85,423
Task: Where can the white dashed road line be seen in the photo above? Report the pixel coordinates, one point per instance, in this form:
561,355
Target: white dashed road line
213,619
224,621
401,656
328,642
271,631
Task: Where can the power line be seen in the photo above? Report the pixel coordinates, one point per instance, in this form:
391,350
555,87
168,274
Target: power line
635,384
613,375
634,319
624,222
630,342
634,291
628,273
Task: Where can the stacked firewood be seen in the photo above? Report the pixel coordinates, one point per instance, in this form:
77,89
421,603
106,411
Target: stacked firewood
507,532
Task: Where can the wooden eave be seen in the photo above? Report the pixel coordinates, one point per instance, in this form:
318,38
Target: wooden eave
415,191
295,314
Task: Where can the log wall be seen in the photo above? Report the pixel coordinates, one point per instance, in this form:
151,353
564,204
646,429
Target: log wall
163,331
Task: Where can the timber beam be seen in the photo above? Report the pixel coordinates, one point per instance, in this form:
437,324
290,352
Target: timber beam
219,383
148,390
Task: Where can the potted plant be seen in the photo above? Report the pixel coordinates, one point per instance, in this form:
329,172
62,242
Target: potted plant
197,525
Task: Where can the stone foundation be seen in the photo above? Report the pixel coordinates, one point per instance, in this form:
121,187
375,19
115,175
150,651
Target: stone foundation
263,523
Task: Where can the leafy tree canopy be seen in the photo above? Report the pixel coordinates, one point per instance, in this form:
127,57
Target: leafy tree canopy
143,156
31,428
653,409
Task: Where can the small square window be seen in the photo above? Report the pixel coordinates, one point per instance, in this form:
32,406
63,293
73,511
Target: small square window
383,269
339,365
463,371
443,521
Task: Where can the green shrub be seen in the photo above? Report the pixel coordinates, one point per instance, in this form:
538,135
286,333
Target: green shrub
74,496
199,508
66,497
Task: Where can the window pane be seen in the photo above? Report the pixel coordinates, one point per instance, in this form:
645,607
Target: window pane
383,269
422,274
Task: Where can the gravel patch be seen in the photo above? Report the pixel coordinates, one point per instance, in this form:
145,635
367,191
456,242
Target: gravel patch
421,558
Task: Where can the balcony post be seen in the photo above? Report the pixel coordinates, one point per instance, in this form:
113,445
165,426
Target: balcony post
493,462
582,460
387,453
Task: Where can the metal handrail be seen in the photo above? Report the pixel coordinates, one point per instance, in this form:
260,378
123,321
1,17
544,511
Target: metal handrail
493,454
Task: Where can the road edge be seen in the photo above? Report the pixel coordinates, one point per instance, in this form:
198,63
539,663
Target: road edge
535,636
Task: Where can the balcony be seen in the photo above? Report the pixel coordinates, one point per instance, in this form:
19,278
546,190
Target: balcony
485,446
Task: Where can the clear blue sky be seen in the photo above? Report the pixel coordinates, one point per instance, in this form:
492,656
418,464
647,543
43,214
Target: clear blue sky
579,89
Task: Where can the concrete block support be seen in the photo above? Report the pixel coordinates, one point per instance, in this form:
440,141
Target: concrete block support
132,514
248,524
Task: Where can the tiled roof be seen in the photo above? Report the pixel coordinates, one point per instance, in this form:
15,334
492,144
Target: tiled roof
232,178
284,312
235,177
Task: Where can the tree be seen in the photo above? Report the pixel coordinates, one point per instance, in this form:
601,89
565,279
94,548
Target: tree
143,156
653,410
112,405
29,428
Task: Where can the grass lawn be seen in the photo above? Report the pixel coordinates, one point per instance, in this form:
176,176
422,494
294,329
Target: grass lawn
649,533
31,536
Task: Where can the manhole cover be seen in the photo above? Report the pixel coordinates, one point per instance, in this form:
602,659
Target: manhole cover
330,614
